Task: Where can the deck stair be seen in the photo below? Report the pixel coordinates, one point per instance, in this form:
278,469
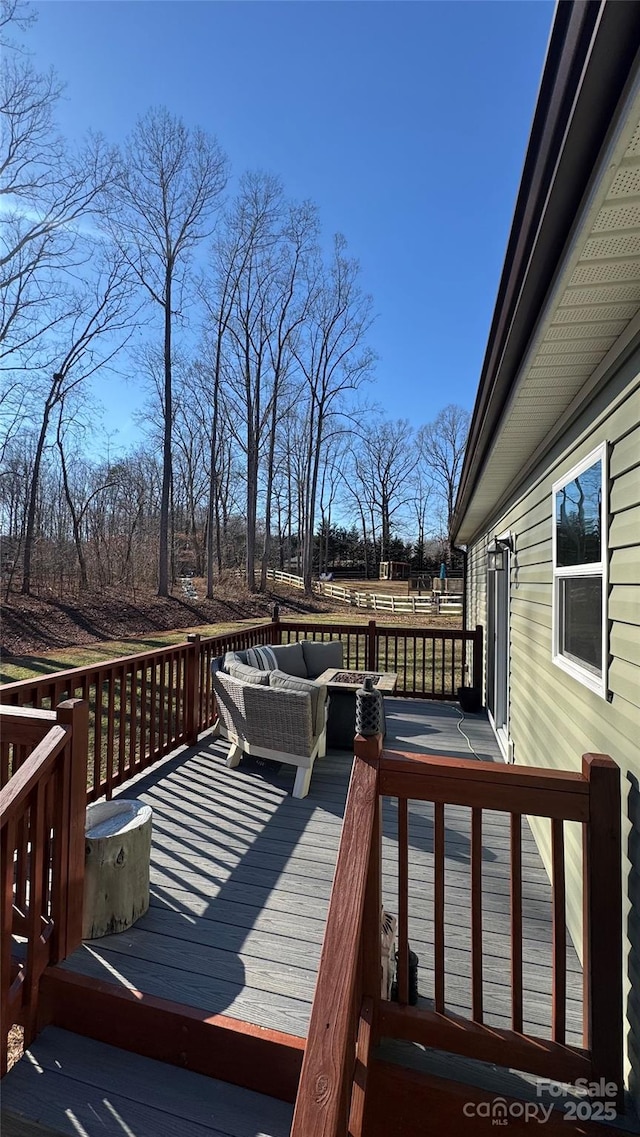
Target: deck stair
67,1084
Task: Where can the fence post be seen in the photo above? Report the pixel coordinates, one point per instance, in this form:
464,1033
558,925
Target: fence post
192,694
371,659
602,921
75,713
477,662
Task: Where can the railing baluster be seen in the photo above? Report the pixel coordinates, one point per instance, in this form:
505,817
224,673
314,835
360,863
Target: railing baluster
476,914
22,843
438,905
97,737
61,785
171,723
559,996
47,883
4,762
32,973
516,922
111,679
403,901
162,709
133,718
153,711
143,715
122,724
7,847
433,664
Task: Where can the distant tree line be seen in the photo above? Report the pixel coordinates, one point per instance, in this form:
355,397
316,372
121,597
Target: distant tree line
250,334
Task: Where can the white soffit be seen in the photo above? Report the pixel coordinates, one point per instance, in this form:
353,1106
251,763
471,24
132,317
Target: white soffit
596,295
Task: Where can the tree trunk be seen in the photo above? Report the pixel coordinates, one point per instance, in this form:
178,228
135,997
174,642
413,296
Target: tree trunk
75,520
116,880
163,552
269,490
33,501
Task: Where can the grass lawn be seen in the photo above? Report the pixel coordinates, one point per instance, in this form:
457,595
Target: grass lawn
31,667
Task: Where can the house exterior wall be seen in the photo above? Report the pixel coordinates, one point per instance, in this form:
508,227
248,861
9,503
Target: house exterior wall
553,718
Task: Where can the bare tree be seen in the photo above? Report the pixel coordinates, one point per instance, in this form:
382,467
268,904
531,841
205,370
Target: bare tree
168,187
333,360
442,444
46,189
383,472
97,327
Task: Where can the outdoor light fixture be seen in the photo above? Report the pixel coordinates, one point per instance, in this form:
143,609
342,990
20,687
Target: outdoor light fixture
497,561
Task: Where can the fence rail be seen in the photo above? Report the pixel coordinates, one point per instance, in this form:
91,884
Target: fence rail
436,603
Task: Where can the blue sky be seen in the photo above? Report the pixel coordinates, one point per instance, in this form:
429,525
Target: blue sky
406,122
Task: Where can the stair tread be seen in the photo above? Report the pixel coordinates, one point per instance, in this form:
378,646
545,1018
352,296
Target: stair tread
70,1084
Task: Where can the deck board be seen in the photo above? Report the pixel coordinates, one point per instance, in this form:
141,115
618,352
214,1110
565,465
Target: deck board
76,1085
241,875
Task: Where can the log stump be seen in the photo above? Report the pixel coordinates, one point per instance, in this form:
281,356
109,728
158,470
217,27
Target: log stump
116,872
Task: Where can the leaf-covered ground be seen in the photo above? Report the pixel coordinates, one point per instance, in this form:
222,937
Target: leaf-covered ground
40,636
32,625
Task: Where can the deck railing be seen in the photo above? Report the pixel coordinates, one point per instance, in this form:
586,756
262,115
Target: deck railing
42,810
333,1081
349,1015
431,663
141,707
144,706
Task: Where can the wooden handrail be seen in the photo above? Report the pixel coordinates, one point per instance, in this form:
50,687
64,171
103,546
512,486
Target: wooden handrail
324,1094
591,797
14,795
14,716
467,782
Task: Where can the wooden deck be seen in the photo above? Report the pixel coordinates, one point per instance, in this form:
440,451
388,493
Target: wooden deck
71,1085
241,875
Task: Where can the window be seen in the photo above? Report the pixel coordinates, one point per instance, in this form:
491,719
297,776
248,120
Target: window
579,571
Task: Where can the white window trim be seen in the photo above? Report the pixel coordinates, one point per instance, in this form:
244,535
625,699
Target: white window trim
597,683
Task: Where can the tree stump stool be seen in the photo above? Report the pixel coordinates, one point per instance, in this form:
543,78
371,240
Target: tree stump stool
116,871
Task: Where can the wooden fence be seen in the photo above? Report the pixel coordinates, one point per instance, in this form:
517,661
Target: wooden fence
349,1016
436,603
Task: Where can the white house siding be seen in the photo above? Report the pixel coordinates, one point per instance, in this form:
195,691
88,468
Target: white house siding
554,719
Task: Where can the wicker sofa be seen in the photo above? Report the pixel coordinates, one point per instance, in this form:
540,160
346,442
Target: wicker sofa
269,704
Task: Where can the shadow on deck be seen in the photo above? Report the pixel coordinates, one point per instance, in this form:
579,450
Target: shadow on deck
241,875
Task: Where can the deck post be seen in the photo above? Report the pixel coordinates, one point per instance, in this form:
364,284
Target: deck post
192,693
372,655
275,631
75,713
477,662
602,922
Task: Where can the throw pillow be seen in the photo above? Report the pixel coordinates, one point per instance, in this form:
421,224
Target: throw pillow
319,656
289,658
248,674
262,658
